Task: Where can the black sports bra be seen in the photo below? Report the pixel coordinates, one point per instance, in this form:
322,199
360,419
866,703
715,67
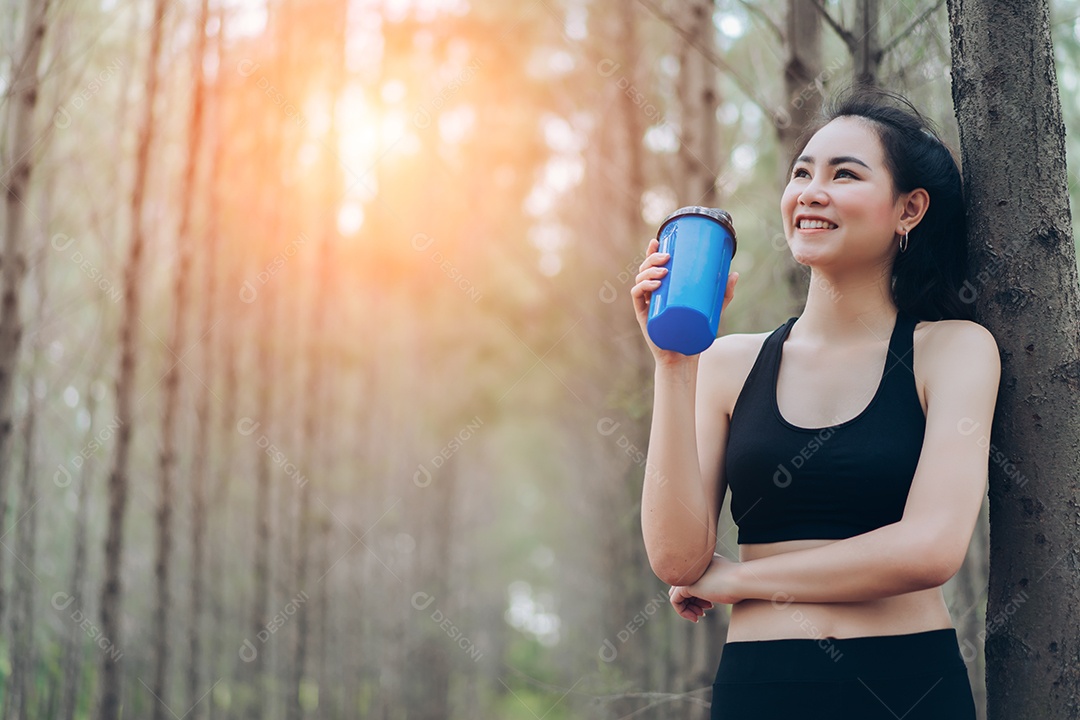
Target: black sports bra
790,483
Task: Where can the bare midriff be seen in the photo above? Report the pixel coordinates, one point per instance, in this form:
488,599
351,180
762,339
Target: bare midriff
896,615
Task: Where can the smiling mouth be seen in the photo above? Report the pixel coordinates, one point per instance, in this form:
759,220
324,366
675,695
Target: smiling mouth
806,224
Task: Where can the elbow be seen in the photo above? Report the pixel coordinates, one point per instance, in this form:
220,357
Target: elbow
946,567
939,564
677,571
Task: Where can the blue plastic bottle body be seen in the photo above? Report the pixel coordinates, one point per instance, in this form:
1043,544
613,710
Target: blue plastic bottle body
684,311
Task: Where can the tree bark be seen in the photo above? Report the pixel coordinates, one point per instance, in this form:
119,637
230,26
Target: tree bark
200,451
867,50
81,486
803,78
317,380
1012,139
112,588
24,88
22,650
804,85
268,332
216,259
169,432
697,89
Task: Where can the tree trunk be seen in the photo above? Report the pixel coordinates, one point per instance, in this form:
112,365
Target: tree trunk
867,50
268,333
267,321
216,259
23,90
803,78
112,588
167,457
200,451
317,365
697,88
81,486
21,649
1011,134
804,84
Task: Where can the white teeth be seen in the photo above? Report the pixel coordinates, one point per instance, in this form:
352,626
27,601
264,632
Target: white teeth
815,225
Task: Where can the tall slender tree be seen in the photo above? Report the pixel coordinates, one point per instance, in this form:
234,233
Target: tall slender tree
23,652
803,77
201,443
867,46
169,434
82,486
23,88
268,332
698,93
219,350
317,362
804,82
1025,289
112,588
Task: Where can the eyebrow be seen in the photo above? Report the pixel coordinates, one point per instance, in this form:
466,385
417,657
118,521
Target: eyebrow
833,161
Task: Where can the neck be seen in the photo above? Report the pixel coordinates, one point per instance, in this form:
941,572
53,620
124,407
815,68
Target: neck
848,309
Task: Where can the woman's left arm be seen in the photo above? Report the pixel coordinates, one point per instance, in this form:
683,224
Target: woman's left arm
928,545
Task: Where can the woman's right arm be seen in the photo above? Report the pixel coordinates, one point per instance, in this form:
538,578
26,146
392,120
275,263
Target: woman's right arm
684,481
683,488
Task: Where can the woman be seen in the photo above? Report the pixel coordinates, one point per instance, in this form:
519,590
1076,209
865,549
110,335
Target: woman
858,465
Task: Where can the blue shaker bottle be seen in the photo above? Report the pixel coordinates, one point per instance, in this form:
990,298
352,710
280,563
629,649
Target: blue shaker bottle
684,311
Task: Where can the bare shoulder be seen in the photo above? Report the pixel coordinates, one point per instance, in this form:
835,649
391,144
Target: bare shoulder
948,349
724,366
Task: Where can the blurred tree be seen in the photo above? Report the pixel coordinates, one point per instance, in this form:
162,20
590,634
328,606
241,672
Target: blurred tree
112,587
23,88
24,700
187,241
804,86
169,435
327,28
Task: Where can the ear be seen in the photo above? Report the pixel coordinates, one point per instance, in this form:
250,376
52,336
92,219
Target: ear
913,206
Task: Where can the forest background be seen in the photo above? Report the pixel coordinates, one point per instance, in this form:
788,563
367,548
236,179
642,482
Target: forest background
321,389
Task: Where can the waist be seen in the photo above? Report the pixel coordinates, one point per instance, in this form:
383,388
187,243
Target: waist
921,611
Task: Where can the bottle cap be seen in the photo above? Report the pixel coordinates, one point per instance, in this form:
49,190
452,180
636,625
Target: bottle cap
716,214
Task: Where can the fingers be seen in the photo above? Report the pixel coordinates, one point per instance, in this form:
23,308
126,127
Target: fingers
653,272
642,292
688,606
650,273
729,291
653,257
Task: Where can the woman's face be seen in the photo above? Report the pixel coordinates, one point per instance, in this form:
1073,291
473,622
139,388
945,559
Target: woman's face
838,207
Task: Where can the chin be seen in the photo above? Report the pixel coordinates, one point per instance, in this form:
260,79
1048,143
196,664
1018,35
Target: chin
809,256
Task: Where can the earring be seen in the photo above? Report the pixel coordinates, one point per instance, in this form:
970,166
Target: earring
904,242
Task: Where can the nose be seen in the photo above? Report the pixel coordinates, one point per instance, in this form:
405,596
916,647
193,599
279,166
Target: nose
813,193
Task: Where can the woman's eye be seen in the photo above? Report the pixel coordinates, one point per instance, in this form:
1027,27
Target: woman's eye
799,172
845,173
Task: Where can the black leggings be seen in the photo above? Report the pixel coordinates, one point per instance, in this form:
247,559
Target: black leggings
919,676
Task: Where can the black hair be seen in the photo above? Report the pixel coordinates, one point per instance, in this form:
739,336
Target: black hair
928,277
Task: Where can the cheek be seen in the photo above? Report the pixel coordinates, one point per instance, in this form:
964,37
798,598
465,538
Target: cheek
881,214
870,208
787,203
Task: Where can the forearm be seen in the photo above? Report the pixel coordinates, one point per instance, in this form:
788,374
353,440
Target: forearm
891,560
675,517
